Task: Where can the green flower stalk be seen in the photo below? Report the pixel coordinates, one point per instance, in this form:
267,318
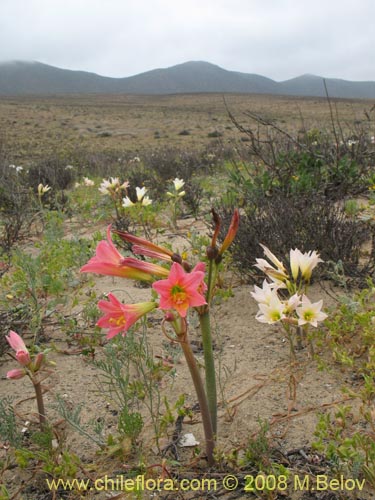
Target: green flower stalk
214,256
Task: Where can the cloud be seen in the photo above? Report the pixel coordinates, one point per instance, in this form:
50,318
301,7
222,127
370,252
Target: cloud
277,38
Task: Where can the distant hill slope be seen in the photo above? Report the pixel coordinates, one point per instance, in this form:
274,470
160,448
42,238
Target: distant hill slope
28,78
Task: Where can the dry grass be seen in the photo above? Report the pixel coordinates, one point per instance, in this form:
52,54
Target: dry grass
35,126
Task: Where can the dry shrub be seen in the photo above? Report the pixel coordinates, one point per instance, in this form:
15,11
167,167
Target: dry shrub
308,224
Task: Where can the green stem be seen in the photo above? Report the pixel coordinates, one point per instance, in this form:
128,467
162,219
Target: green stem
202,399
210,281
40,403
291,345
204,319
299,337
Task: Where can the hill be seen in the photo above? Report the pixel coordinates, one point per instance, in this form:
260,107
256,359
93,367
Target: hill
34,78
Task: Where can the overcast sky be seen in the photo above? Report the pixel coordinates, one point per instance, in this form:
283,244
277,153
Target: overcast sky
280,39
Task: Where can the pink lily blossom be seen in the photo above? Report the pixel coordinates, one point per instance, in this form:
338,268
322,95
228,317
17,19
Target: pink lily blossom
120,317
110,262
16,343
181,290
146,248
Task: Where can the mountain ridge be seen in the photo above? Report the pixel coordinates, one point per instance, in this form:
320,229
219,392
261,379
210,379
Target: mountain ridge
35,78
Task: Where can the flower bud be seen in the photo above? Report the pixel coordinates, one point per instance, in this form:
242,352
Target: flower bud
232,231
39,358
211,252
23,357
176,258
186,266
16,373
218,259
169,316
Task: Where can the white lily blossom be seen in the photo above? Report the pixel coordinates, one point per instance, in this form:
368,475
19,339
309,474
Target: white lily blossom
310,313
273,258
126,202
178,183
292,303
272,312
146,201
264,295
140,192
43,189
294,262
109,185
307,262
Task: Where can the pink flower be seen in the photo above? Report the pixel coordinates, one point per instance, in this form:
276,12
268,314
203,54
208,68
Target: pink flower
16,343
144,247
109,261
120,317
16,373
181,290
201,266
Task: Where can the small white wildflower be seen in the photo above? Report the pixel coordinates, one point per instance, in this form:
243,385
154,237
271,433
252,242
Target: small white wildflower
146,201
140,193
43,189
126,202
178,183
88,182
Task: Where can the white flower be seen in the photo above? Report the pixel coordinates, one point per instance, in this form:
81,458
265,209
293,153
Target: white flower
126,202
293,302
69,167
146,201
272,312
294,262
273,258
307,262
140,193
178,183
264,295
77,184
276,275
108,186
181,193
124,185
43,189
372,139
104,186
88,182
310,313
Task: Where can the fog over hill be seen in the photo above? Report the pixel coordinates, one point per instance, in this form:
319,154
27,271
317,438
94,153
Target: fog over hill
34,78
